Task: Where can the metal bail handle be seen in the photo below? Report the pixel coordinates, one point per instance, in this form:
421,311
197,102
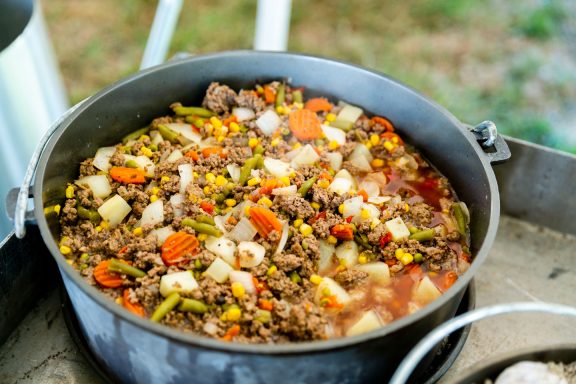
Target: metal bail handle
405,369
494,145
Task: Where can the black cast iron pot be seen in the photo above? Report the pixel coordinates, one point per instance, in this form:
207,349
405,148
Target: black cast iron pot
137,350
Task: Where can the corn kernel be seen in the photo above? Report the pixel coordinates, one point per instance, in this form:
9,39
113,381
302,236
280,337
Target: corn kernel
445,210
65,250
144,137
330,117
202,237
234,127
275,142
164,179
265,201
226,210
292,175
368,145
155,190
296,146
316,279
216,122
153,198
230,202
389,146
238,290
57,209
247,209
374,139
233,314
137,231
333,144
399,253
254,181
365,214
210,177
362,259
341,209
406,207
332,240
299,105
280,110
207,190
220,138
395,140
69,192
104,224
253,142
221,181
315,205
64,240
377,163
271,270
146,151
305,230
259,89
298,223
192,197
323,183
407,258
119,301
285,180
98,228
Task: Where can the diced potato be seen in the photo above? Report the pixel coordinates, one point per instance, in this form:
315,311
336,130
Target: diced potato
397,229
306,156
368,322
114,210
186,176
425,291
335,159
244,278
352,207
98,184
181,282
326,253
177,201
175,155
349,113
251,254
153,214
334,134
347,253
378,271
219,270
162,234
344,174
277,168
102,158
340,186
222,247
333,288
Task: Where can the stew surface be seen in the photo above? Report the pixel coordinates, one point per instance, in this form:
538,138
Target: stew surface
263,216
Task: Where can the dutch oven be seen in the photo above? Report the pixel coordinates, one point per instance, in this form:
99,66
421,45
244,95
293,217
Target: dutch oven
137,350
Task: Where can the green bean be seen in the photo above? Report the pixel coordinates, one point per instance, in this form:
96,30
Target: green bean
418,258
259,150
305,187
197,264
198,122
295,277
153,147
297,96
362,240
425,235
191,305
118,266
131,164
88,214
197,111
135,135
201,227
263,316
248,166
460,218
280,95
168,134
205,219
259,161
166,306
344,125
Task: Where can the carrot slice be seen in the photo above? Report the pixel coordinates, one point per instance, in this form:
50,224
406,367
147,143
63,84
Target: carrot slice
266,305
304,124
231,119
269,95
342,231
206,152
193,155
231,332
364,195
135,308
105,277
449,279
207,207
264,220
269,185
178,245
383,122
318,104
128,175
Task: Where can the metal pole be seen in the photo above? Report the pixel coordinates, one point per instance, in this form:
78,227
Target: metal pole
272,25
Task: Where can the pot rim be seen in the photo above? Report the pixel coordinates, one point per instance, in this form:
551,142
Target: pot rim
274,349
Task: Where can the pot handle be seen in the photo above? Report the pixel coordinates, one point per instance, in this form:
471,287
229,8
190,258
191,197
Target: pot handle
493,144
411,360
17,199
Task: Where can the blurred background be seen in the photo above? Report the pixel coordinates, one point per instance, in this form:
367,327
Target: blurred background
513,62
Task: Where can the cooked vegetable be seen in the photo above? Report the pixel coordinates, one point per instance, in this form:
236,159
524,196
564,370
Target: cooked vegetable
88,214
191,305
368,322
264,220
425,235
121,267
114,210
165,307
201,227
280,95
251,254
105,277
425,291
127,175
244,230
98,184
177,246
219,270
397,228
222,247
197,111
318,104
305,187
135,308
304,124
268,122
102,158
181,282
153,214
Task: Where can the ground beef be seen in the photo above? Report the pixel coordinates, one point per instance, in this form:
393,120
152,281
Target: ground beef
351,278
248,99
287,262
295,206
422,214
219,98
